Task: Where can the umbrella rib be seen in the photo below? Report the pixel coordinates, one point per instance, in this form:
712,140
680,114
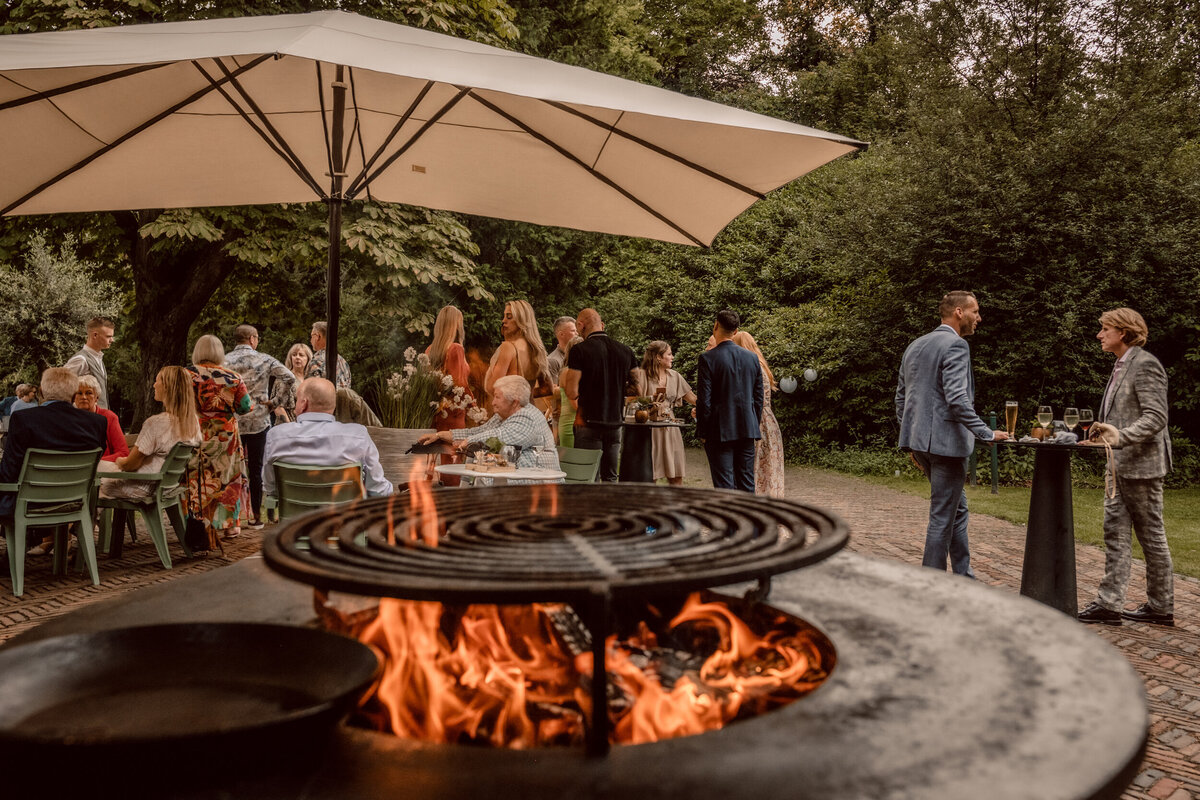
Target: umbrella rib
429,123
72,87
408,112
598,175
655,148
125,137
324,120
362,150
279,144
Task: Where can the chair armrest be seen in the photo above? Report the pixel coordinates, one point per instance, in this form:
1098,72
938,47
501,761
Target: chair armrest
132,476
9,487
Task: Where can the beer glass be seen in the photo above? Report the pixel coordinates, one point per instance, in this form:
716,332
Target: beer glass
1010,417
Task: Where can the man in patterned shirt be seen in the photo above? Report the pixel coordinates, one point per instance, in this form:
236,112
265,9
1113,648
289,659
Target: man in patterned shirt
516,422
257,369
316,366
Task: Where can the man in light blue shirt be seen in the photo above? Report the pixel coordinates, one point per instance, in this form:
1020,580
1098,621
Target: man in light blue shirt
319,440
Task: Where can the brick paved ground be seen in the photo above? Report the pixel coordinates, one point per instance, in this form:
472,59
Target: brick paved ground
884,523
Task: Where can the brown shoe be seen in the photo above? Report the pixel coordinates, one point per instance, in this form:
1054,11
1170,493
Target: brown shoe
1144,613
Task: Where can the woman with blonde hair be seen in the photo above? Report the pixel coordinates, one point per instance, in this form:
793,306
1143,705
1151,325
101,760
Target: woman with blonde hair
522,353
176,423
446,353
768,456
298,356
219,493
659,382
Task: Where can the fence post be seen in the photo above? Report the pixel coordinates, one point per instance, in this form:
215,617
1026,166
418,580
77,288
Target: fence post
995,456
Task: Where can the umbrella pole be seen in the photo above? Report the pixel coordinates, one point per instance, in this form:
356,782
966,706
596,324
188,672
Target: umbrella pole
333,276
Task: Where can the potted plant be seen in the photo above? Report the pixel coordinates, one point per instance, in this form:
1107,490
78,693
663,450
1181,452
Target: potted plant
642,409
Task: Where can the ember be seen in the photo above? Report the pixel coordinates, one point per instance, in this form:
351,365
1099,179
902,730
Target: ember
519,676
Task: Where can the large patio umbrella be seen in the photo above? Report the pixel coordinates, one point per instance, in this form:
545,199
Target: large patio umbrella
332,106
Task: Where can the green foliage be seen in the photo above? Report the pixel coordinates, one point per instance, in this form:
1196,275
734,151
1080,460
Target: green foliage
45,306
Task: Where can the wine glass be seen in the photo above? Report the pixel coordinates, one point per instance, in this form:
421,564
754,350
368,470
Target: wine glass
1070,417
1010,416
1085,420
1045,415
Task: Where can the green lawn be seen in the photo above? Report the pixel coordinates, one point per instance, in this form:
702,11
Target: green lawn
1181,510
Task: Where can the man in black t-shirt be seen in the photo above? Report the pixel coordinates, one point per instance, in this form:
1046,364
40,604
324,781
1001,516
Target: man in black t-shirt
600,370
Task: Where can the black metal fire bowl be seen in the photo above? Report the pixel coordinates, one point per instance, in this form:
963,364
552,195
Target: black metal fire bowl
945,689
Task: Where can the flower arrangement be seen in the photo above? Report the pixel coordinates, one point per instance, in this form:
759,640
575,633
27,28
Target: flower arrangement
414,396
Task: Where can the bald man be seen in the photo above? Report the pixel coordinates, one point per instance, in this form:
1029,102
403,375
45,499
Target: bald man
317,439
599,371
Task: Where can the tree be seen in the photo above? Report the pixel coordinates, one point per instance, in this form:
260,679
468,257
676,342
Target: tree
44,308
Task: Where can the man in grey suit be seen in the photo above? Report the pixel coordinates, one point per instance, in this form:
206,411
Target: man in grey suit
90,360
1133,417
935,405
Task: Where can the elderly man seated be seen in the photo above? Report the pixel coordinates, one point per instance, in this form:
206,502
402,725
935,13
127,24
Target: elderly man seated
317,439
516,422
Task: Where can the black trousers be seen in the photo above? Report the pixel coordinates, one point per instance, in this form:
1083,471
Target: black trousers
255,444
606,439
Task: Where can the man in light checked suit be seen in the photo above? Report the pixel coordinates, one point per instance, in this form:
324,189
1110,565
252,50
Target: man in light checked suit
935,405
1133,416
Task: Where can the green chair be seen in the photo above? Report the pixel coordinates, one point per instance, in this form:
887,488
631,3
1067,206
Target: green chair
300,488
581,466
169,490
54,490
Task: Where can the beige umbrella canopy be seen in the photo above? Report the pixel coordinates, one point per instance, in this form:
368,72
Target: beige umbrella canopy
332,106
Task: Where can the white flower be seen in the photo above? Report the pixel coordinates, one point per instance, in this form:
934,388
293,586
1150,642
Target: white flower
422,359
447,381
410,354
409,369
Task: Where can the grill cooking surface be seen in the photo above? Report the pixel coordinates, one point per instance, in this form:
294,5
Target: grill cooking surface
516,544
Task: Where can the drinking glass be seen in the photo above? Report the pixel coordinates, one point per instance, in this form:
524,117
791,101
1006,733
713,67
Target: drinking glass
509,453
1070,418
1045,415
1010,417
1085,419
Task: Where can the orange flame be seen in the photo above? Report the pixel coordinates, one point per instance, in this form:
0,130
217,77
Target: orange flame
422,524
499,674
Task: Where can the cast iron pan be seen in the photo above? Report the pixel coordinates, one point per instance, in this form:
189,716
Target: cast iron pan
164,701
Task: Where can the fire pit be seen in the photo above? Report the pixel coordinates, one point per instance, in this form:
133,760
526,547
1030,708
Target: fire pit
592,547
944,689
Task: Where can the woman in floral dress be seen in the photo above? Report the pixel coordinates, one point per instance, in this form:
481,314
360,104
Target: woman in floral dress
218,491
768,457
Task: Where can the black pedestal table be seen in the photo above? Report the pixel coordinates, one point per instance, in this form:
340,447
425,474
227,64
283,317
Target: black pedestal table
637,450
1048,571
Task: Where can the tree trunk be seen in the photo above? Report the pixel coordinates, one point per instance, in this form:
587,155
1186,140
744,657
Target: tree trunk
169,292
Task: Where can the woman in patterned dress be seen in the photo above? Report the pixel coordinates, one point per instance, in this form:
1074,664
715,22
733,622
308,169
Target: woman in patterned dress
658,381
218,491
768,455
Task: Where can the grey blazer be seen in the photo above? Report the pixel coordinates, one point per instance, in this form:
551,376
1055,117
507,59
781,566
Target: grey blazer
1138,410
935,397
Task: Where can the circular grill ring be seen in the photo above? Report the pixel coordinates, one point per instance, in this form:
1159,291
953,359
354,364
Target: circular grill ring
503,544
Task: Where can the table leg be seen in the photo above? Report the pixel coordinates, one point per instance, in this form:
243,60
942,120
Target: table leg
1048,573
637,455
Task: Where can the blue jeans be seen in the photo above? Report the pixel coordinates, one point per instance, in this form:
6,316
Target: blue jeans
947,531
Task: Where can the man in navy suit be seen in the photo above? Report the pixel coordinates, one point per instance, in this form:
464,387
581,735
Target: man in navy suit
54,425
729,403
935,404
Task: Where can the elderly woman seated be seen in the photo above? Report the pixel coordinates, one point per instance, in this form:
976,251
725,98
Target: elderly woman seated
516,422
87,397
